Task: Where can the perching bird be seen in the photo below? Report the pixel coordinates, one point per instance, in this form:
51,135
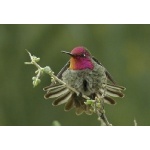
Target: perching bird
88,76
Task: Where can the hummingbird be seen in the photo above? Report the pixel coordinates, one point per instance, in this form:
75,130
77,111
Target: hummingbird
88,76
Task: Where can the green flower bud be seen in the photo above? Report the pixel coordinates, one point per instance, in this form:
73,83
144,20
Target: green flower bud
36,59
98,105
36,82
56,123
89,102
47,69
33,78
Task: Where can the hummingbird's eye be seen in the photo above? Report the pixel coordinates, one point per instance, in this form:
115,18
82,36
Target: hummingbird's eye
83,55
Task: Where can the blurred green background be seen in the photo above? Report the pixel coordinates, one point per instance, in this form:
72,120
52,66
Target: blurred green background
123,49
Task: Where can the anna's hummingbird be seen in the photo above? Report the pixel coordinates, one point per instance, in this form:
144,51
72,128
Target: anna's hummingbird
88,76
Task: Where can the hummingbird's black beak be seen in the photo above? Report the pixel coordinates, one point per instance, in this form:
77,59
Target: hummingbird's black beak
67,53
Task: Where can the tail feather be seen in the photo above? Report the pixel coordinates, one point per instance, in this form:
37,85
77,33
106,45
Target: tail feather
63,99
51,88
56,93
88,110
109,100
115,87
69,105
112,92
79,110
79,106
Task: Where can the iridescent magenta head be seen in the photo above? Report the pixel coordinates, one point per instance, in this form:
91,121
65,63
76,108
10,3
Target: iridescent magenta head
80,59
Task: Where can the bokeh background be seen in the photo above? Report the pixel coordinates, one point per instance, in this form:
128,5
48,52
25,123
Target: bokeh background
123,49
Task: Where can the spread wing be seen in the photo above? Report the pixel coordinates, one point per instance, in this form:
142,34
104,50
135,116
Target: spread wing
59,75
107,73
